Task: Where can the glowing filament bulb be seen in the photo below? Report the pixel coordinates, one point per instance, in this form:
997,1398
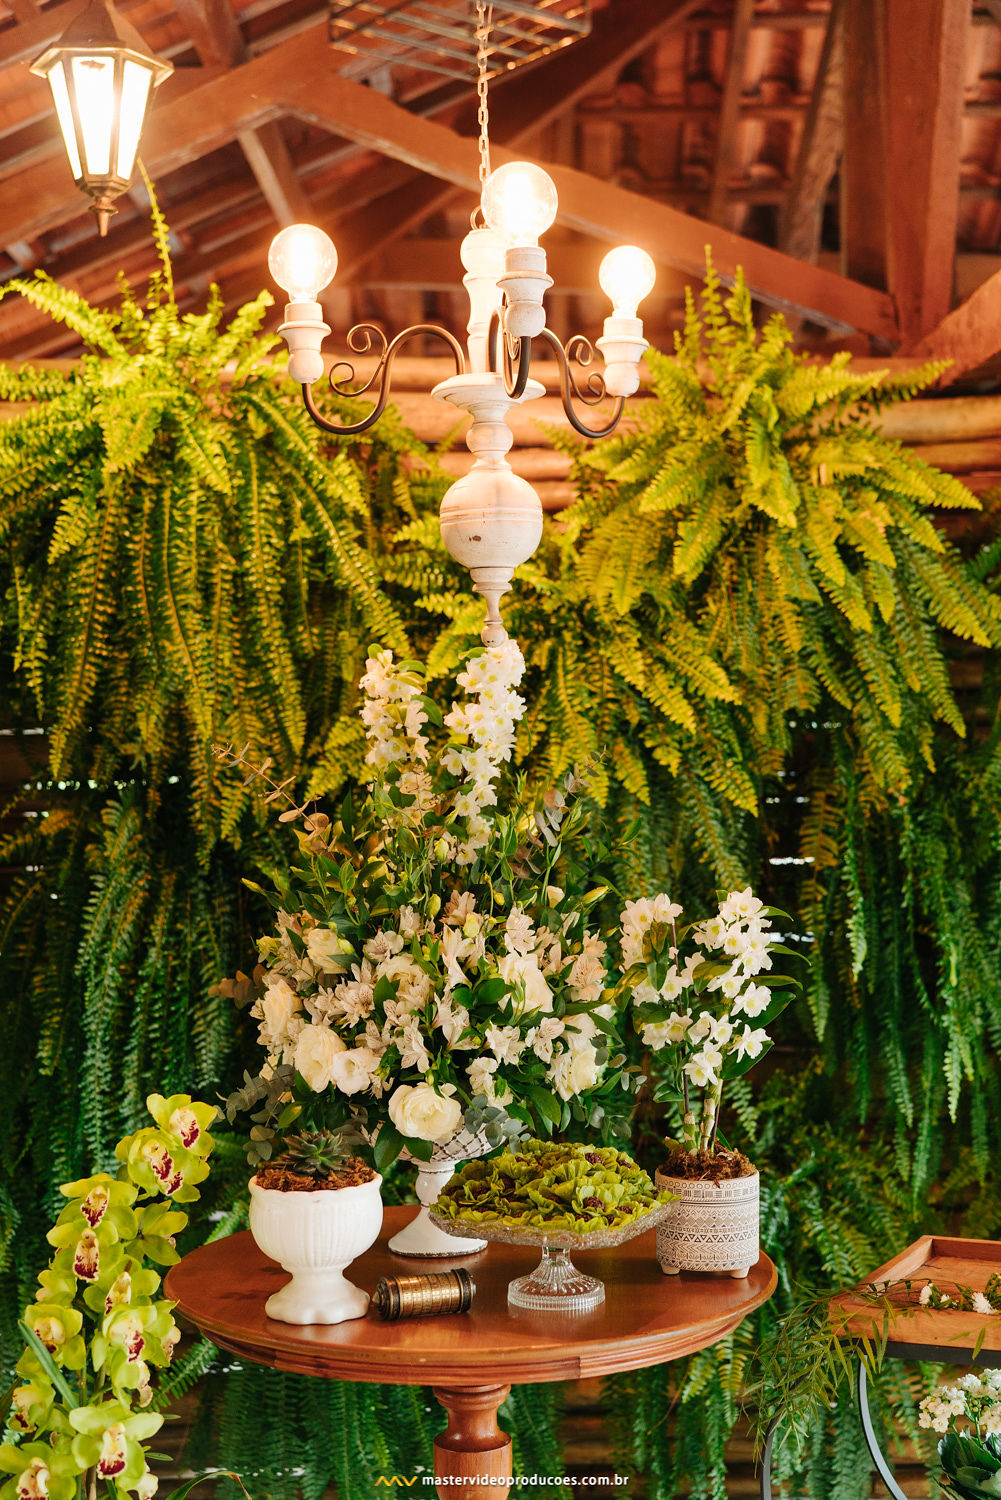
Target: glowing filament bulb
302,260
626,275
520,202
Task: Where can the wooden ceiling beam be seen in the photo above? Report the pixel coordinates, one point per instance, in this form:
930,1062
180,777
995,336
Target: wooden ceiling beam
604,210
819,150
862,185
520,106
298,78
35,200
179,130
925,51
24,10
729,109
41,139
217,38
970,335
24,42
214,31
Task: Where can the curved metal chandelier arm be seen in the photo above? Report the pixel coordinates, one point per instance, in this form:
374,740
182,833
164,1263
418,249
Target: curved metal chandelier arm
580,352
503,352
360,340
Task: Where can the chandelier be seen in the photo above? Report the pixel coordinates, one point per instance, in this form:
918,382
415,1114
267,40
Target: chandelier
491,518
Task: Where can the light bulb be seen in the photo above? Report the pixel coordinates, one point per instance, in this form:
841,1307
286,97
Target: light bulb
302,260
519,201
626,275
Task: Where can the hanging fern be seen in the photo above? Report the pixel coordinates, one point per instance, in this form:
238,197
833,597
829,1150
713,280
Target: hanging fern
750,608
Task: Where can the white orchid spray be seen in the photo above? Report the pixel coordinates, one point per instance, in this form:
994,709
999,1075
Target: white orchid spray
703,995
437,961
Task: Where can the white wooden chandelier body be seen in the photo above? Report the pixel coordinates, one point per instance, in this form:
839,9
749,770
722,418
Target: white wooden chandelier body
491,518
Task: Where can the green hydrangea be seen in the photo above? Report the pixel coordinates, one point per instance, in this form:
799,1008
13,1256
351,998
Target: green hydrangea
545,1185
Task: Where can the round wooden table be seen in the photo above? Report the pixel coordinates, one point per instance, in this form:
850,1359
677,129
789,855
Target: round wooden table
470,1359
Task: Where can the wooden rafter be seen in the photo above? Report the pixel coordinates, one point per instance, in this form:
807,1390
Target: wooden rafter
179,130
925,43
606,211
24,10
23,43
520,106
729,111
298,77
819,148
970,335
217,39
863,211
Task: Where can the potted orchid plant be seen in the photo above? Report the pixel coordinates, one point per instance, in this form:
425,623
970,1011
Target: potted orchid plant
81,1408
703,995
438,974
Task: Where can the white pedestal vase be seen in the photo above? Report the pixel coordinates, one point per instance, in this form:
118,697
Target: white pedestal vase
316,1236
421,1238
713,1226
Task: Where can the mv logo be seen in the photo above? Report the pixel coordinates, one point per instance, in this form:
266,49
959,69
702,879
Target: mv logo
395,1479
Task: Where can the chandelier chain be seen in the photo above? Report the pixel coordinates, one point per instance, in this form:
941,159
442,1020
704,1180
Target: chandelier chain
484,20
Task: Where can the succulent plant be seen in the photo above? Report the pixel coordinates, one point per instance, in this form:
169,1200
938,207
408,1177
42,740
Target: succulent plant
316,1153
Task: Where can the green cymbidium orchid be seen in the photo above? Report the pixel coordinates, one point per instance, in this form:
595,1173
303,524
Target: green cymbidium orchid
97,1318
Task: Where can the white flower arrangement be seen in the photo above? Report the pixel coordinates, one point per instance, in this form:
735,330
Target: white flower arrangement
974,1398
703,995
426,971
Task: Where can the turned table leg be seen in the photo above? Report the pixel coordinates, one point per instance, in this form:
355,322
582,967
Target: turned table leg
472,1447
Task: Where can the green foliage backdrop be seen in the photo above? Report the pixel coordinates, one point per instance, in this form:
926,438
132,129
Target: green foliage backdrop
749,609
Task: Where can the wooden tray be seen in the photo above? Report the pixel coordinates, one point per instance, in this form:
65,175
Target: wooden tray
925,1332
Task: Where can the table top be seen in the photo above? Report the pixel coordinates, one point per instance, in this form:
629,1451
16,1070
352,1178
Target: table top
646,1317
917,1332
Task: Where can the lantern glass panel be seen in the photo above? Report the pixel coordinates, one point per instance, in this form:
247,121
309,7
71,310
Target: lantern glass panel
61,99
94,83
136,82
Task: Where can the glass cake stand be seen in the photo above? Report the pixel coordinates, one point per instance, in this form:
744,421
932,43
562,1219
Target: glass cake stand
555,1285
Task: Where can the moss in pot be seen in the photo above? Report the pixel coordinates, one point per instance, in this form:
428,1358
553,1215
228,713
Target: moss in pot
702,995
314,1210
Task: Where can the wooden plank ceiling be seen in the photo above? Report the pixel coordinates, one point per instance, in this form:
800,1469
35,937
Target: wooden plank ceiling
846,153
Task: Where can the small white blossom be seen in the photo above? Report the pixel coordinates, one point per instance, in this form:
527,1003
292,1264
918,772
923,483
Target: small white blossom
505,1043
519,934
541,1037
382,945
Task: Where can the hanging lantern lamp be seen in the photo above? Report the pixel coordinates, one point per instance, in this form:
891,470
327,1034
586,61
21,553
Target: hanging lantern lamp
102,76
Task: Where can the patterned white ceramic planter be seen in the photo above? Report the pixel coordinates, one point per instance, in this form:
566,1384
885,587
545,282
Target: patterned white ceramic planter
316,1236
712,1227
420,1237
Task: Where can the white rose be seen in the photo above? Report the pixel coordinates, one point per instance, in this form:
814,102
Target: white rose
573,1072
325,949
522,970
351,1071
315,1051
418,1111
278,1005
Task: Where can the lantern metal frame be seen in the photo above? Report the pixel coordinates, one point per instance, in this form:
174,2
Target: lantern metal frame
99,31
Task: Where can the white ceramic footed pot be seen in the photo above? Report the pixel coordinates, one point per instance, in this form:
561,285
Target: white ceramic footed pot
421,1238
316,1236
713,1226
